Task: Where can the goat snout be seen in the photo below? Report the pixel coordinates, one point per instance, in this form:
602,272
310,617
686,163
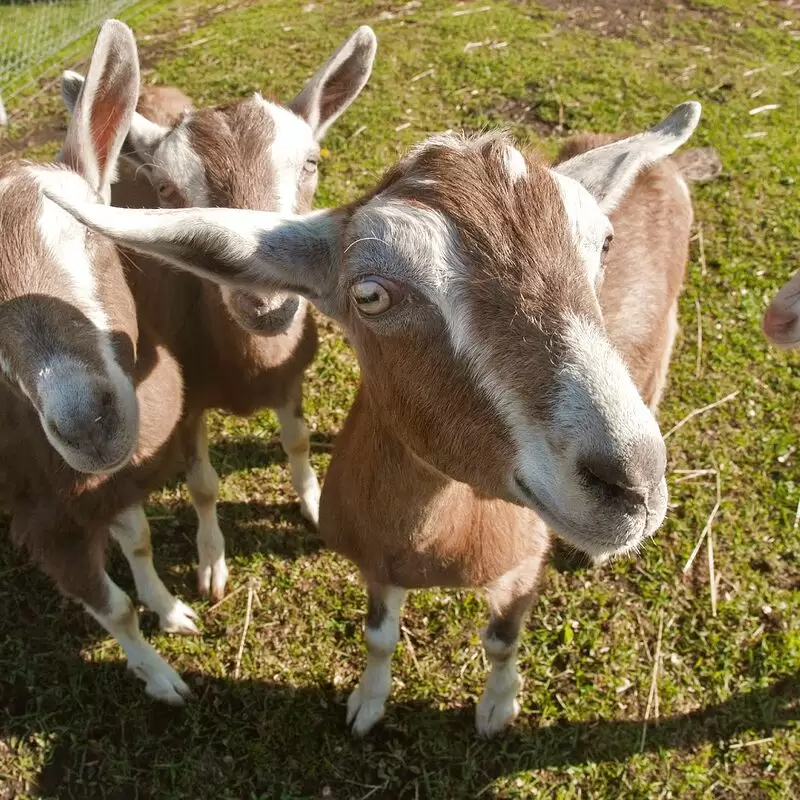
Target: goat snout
88,419
631,478
263,315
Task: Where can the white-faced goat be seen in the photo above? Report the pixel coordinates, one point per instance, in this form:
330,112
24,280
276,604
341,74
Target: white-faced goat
781,322
508,358
238,351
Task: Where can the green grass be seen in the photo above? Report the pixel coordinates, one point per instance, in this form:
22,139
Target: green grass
73,724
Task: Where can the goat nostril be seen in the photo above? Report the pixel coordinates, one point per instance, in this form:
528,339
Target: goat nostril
106,400
612,480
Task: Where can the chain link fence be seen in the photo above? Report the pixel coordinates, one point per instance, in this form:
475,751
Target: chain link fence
34,32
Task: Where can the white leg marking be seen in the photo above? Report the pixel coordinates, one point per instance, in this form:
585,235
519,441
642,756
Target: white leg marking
367,703
131,531
203,483
498,706
122,622
296,442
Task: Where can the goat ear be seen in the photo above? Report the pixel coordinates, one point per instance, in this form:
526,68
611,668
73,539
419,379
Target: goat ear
143,137
608,172
253,250
103,108
338,82
71,85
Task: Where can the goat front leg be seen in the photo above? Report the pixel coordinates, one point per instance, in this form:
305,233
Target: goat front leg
75,560
367,703
131,531
118,616
203,483
296,442
510,599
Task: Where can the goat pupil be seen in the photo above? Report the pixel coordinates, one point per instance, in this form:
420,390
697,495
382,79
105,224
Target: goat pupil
371,296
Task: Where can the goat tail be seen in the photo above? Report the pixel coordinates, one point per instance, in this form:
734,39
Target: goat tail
698,163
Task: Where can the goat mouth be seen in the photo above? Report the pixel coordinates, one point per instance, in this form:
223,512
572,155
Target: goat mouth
589,543
79,464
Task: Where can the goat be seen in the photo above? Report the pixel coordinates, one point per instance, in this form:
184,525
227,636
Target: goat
239,351
781,321
90,405
508,355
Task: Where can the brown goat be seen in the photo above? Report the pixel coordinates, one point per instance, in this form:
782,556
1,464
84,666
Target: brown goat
508,355
90,404
239,351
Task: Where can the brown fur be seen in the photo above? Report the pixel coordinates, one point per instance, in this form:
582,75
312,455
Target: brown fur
59,515
409,525
224,365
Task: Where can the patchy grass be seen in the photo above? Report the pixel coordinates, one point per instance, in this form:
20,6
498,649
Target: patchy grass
72,724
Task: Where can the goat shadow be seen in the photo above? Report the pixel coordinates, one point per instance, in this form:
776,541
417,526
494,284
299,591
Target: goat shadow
107,740
250,526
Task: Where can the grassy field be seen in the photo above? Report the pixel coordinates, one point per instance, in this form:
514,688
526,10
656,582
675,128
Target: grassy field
727,688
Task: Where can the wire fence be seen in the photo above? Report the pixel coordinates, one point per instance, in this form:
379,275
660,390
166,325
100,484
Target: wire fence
34,32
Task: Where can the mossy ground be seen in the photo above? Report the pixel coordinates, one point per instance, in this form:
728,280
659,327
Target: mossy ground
73,724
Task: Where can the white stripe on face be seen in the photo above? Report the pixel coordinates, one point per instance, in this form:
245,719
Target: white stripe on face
176,158
293,143
588,225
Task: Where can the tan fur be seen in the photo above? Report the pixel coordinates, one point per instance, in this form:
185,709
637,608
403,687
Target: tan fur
387,503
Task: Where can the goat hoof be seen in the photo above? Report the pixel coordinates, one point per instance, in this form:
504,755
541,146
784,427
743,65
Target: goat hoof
179,618
363,711
495,712
310,513
211,580
162,683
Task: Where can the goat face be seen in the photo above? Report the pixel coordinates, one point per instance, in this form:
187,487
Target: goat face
67,319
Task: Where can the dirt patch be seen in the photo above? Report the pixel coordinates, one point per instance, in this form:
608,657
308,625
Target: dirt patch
533,114
622,17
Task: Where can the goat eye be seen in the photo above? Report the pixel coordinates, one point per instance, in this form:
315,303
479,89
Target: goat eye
607,243
310,166
371,296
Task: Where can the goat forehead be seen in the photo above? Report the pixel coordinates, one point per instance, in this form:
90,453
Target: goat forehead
409,243
65,240
291,131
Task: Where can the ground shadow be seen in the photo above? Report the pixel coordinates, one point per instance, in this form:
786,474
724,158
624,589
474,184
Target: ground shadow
252,738
231,455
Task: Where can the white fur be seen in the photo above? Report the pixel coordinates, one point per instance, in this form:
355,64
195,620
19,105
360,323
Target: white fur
296,442
498,706
131,531
588,225
515,164
367,703
203,483
684,187
121,621
596,399
65,238
293,143
175,158
608,171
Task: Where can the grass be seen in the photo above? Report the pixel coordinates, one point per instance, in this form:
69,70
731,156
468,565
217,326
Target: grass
73,724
